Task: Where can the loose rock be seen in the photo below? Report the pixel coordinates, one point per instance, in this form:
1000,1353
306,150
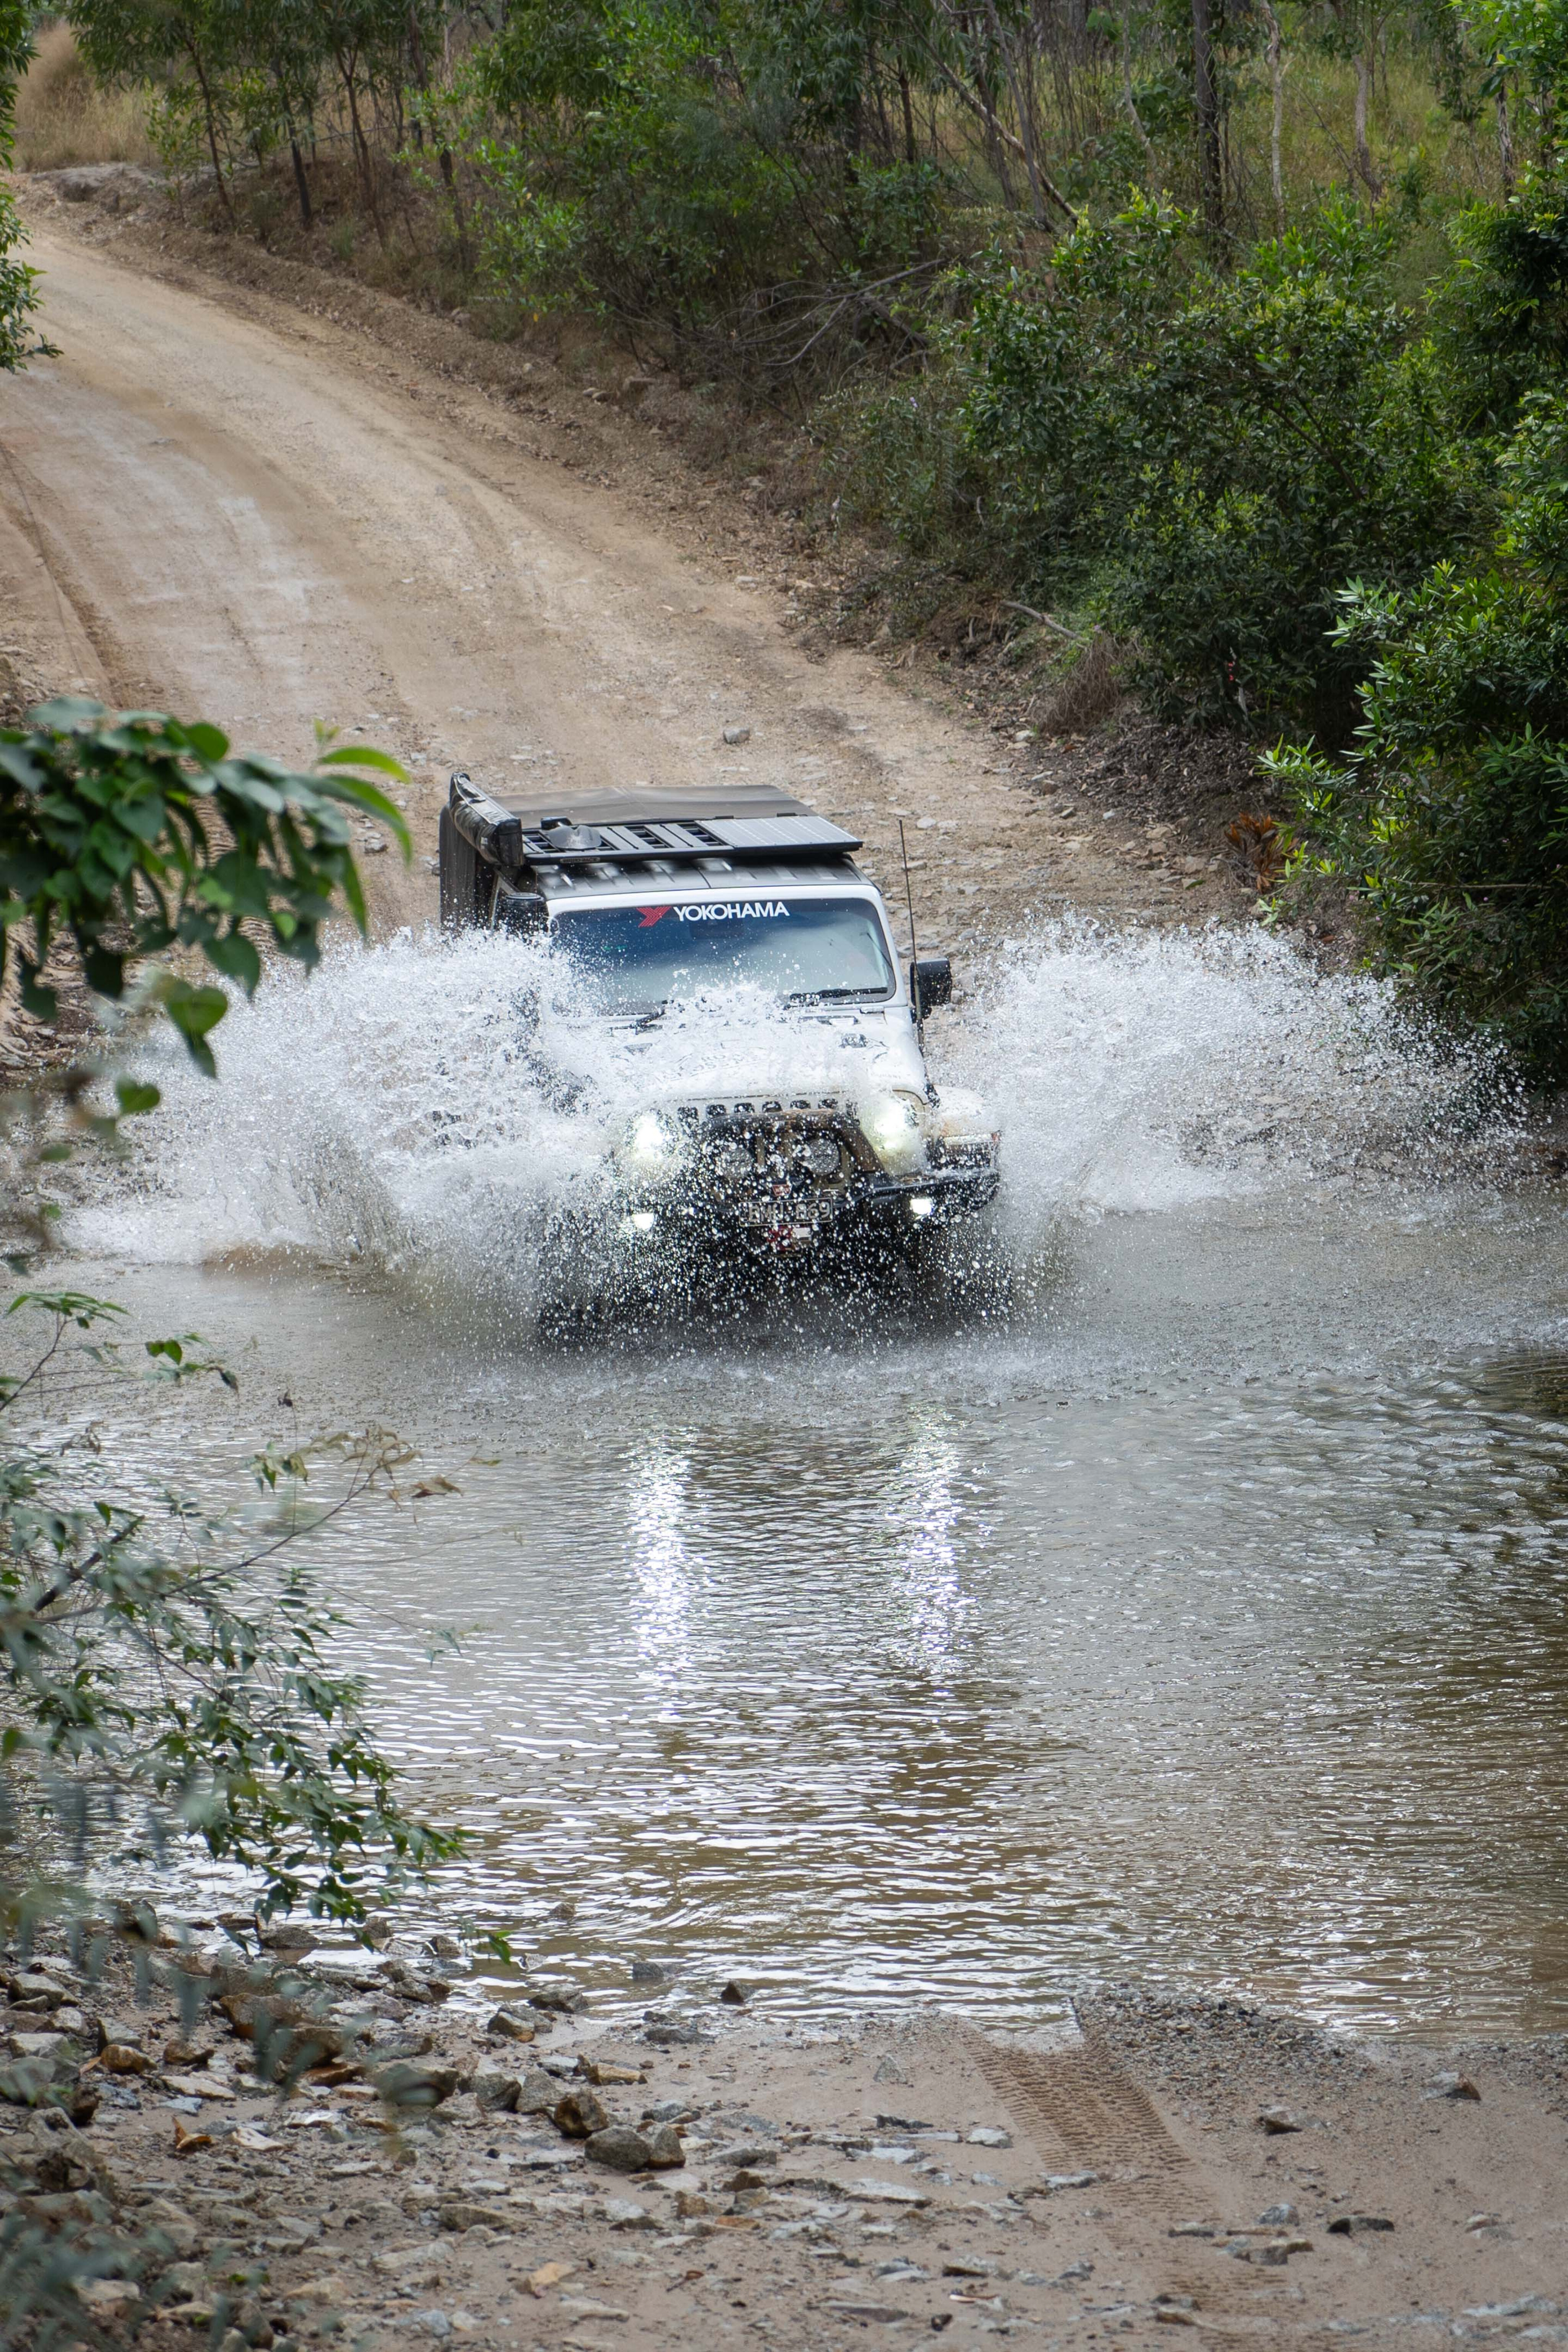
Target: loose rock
620,2147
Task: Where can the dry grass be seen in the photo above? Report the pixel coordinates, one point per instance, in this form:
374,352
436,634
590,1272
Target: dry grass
63,118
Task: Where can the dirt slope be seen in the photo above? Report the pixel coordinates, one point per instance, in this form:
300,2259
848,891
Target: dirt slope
224,501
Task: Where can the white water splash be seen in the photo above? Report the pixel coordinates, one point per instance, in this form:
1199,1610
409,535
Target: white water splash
1141,1070
392,1107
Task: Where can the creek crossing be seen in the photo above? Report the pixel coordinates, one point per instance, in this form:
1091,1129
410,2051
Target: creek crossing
1198,1618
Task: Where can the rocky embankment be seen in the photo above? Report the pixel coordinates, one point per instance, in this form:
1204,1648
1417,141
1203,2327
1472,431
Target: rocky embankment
269,2151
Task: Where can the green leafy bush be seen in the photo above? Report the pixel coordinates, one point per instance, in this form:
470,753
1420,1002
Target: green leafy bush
136,833
1450,816
1212,455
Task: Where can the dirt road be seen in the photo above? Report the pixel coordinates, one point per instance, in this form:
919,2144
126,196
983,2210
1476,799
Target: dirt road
215,501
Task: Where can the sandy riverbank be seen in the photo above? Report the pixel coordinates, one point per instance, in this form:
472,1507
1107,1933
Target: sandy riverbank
841,2180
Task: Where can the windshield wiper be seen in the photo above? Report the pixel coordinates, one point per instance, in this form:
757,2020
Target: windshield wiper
834,995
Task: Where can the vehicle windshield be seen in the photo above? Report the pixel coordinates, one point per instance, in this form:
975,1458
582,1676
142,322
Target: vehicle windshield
635,958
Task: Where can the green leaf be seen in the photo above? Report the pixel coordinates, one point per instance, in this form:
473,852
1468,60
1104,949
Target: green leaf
135,1097
206,741
194,1012
364,755
234,955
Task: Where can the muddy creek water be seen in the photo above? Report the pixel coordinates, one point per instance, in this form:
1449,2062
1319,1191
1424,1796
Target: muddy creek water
1201,1617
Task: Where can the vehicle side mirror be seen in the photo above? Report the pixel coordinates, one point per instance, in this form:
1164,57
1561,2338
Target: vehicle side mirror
523,913
930,984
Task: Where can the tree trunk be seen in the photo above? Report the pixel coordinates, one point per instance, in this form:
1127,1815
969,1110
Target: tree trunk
302,185
1277,125
1128,100
1365,64
907,103
1206,102
195,55
362,149
1505,139
453,197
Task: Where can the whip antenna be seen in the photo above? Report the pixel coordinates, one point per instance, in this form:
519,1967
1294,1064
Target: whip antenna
909,890
914,945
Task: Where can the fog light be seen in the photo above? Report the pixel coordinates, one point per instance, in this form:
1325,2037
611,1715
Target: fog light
643,1220
921,1206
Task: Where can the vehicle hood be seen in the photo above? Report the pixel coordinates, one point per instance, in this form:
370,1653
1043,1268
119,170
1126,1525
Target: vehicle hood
735,1051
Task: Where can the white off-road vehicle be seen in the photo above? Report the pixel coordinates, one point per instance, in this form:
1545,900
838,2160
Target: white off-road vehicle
807,1128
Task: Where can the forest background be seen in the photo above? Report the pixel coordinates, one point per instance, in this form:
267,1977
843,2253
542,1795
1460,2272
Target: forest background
1221,342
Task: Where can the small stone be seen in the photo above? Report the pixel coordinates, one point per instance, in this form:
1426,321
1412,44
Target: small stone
434,2323
549,2275
618,2146
35,2045
1278,2217
652,1972
119,2058
538,2094
182,2283
665,2151
737,734
32,1990
990,2135
565,1999
691,2204
497,2094
507,2026
179,2052
579,2115
1452,2086
108,2299
733,1996
1484,2221
1276,2120
1352,2225
457,2214
889,2070
602,2072
174,2225
672,2033
621,2213
403,2085
199,2086
446,1948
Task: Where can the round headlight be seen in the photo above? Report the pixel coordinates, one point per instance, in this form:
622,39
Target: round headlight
653,1144
891,1126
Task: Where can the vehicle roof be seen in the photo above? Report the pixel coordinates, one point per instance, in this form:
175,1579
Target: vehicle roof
653,804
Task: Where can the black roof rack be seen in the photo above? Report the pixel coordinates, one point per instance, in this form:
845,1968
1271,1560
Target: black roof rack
578,828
